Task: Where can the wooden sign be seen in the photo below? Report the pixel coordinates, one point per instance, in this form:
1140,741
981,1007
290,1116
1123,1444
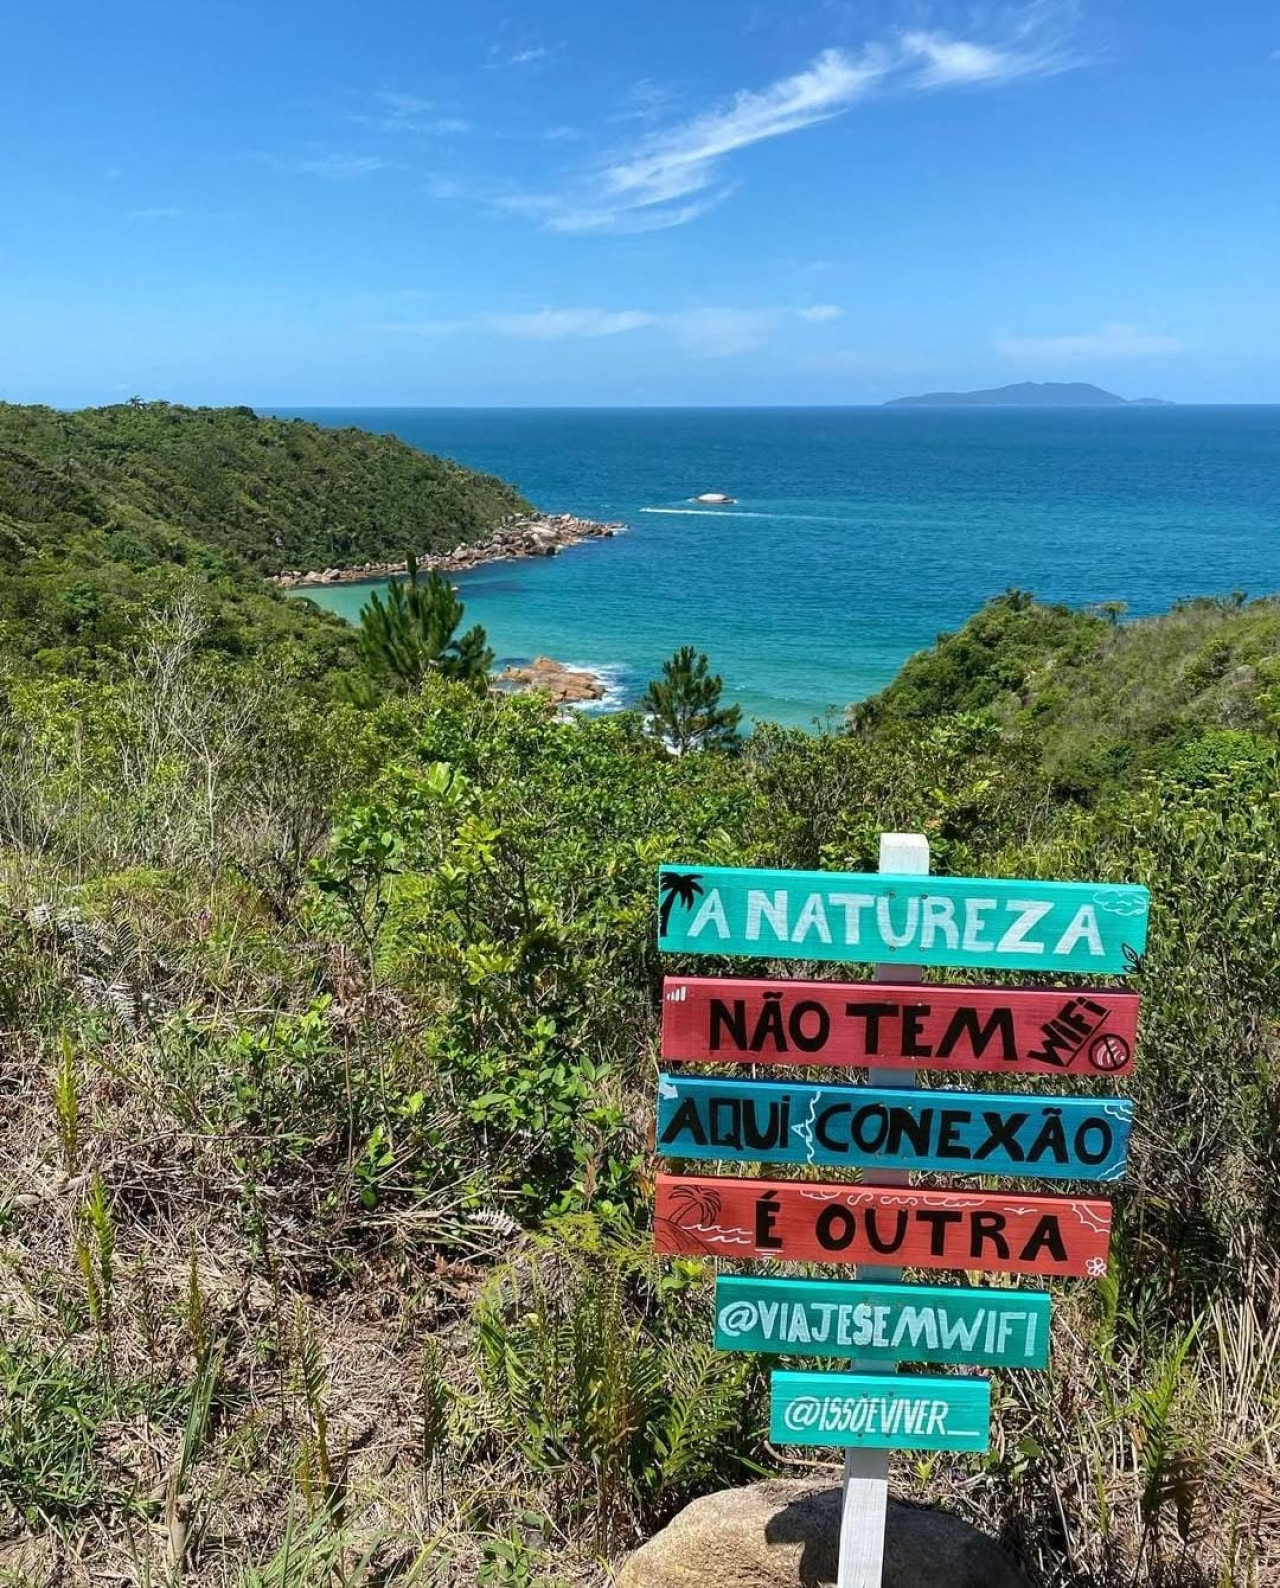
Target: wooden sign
879,1412
801,1221
902,920
883,1322
1054,1031
745,1121
899,921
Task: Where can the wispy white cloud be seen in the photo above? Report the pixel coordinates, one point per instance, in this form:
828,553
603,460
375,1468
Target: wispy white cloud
945,61
670,176
408,113
721,333
707,332
553,325
501,55
580,214
1116,339
162,212
442,186
423,327
334,167
645,101
405,107
811,269
1035,41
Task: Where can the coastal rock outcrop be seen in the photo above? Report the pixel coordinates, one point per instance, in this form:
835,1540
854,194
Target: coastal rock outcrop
784,1534
566,686
542,535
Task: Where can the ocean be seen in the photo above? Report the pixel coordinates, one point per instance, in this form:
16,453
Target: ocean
856,535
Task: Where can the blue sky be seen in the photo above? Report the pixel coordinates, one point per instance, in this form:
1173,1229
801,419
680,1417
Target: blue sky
668,201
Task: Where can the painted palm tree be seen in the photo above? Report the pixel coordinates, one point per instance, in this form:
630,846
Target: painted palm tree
694,1206
684,886
694,1220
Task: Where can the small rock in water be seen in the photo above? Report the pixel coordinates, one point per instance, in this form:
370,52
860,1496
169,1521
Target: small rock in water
565,685
784,1534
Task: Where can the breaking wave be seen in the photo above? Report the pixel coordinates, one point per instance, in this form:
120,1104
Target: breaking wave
613,675
729,512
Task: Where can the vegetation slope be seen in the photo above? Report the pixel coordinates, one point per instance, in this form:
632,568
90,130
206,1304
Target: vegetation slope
1102,698
279,493
327,1050
109,513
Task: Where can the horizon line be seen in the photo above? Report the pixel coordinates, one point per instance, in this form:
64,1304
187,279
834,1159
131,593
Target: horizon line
285,405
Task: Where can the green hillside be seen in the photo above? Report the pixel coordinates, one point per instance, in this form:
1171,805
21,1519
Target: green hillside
111,513
281,493
1183,691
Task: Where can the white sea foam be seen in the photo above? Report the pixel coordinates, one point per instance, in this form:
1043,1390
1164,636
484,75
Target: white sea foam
720,512
612,675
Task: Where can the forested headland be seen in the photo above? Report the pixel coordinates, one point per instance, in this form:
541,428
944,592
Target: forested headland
107,512
328,1028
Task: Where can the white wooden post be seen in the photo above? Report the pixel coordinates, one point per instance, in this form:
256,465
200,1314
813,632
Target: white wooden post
866,1472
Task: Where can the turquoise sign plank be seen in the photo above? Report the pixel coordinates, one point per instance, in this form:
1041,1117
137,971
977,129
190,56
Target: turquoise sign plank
745,1121
883,1323
881,1412
900,920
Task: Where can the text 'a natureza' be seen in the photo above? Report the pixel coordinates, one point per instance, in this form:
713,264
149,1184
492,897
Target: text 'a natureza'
876,1411
1036,1030
745,1121
802,1222
887,919
883,1322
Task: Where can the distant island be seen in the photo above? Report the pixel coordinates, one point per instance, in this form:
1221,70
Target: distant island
1030,394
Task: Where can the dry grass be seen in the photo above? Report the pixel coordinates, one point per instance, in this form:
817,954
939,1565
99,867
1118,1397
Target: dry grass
390,1499
294,1395
192,1296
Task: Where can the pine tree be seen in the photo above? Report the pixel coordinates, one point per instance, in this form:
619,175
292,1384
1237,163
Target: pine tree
410,633
684,705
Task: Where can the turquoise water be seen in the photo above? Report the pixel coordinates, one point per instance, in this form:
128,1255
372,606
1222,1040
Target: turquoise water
858,534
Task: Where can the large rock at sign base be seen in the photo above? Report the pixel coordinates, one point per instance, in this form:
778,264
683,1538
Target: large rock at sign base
784,1534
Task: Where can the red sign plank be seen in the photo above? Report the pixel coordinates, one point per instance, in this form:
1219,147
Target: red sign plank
1030,1030
804,1222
